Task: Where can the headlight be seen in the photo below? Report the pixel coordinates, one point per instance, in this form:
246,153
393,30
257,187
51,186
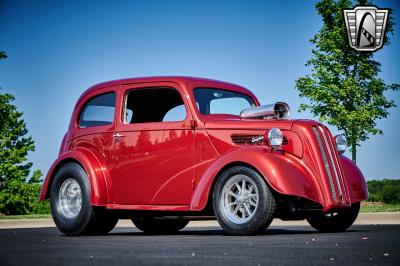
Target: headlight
275,137
341,143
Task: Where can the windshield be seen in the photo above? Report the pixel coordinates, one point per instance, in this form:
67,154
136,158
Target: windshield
217,101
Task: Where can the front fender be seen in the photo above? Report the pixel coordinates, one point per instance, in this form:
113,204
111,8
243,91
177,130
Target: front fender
98,184
355,180
282,171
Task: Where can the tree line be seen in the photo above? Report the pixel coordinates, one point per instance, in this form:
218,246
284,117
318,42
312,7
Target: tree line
19,189
386,190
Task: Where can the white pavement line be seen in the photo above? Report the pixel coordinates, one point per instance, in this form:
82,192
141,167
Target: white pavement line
363,219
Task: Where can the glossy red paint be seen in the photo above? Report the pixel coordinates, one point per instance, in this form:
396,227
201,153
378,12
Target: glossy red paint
145,173
283,172
96,173
355,180
172,166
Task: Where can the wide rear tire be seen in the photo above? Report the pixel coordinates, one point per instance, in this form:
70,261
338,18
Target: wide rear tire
334,222
70,204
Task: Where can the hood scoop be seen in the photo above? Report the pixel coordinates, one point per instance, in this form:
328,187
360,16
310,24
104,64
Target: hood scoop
278,110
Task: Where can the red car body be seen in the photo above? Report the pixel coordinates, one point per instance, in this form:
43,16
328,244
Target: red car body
172,166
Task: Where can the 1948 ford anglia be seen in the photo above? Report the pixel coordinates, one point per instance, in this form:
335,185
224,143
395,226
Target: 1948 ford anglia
166,150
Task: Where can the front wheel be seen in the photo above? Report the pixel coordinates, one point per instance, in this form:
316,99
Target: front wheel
334,222
242,201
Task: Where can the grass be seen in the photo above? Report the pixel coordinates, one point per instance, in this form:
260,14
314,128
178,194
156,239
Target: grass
26,216
379,207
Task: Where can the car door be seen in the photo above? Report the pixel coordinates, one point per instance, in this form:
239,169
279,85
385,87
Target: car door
154,146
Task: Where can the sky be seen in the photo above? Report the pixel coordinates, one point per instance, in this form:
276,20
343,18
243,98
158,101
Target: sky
57,49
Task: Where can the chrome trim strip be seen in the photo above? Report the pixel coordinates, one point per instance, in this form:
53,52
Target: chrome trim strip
340,172
326,164
332,162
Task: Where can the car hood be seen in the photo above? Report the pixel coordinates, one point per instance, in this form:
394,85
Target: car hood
238,123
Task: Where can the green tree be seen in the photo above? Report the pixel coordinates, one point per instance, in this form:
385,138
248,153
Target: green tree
17,194
386,190
343,87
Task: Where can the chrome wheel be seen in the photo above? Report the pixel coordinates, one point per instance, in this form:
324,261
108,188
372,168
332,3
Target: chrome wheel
239,199
70,198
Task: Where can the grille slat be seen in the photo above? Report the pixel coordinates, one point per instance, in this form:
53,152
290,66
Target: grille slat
331,159
325,161
341,181
331,162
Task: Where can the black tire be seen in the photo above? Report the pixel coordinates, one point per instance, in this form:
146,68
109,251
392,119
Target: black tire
263,209
335,222
149,225
101,223
89,219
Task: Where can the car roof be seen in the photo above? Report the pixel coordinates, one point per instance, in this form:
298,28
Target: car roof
177,79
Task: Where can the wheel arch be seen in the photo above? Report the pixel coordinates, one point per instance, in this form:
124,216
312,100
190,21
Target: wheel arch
356,182
274,169
99,195
230,165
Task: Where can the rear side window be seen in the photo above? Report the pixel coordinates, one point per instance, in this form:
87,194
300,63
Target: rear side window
155,104
98,111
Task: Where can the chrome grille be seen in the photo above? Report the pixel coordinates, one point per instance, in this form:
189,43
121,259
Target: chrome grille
332,164
325,160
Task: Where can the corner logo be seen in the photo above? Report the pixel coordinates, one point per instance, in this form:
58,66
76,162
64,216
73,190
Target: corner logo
365,27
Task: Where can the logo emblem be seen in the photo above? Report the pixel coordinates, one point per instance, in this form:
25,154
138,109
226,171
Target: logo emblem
365,27
257,139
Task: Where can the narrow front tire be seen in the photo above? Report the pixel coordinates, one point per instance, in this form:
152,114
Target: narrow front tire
242,201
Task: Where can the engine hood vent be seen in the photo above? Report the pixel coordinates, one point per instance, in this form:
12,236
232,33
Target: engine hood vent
239,139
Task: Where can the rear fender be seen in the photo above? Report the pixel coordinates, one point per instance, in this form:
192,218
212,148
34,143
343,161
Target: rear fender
355,180
283,172
96,174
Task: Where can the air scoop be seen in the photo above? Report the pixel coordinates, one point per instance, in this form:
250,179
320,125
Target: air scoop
278,110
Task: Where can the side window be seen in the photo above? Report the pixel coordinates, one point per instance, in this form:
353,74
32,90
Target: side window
98,111
155,104
224,106
178,113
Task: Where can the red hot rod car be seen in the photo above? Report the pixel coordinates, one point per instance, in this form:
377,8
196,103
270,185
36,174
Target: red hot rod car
166,150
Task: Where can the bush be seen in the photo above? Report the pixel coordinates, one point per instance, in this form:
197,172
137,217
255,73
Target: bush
386,190
19,197
391,194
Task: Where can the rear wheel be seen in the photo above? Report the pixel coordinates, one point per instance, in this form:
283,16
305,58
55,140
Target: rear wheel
242,201
150,225
102,222
70,204
335,222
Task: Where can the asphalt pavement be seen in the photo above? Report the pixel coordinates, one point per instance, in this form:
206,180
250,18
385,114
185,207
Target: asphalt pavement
279,245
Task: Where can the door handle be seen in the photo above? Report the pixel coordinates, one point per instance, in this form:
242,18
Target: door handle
118,136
